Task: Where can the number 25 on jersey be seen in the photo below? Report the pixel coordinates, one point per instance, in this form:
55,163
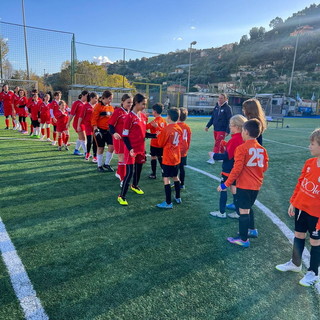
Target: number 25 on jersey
257,158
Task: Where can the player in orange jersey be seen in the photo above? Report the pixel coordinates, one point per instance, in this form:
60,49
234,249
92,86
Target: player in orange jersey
305,208
156,126
169,139
250,163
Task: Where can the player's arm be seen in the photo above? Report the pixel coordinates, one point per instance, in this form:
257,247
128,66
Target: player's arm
95,117
297,188
162,139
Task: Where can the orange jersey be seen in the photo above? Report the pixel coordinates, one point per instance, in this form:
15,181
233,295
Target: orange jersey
306,195
185,139
250,163
161,123
168,139
101,116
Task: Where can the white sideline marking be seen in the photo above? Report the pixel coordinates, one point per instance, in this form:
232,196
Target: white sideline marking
286,144
21,283
280,224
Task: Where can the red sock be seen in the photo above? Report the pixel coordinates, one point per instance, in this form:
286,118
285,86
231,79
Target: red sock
66,139
54,135
59,141
7,122
48,133
121,170
42,131
63,136
25,126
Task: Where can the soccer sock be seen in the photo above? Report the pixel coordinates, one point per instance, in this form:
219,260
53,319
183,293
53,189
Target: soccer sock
7,123
177,188
298,246
54,135
109,156
31,128
59,141
121,170
83,146
48,133
182,174
42,131
244,226
137,173
314,259
251,215
25,126
89,142
126,181
160,161
235,202
167,190
223,201
94,147
66,139
77,145
63,136
154,166
100,160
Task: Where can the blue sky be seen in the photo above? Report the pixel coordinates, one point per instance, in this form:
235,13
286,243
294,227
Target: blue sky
155,26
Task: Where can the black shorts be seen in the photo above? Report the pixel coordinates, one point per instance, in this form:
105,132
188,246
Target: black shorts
104,137
183,161
35,123
245,198
224,178
169,171
304,222
156,152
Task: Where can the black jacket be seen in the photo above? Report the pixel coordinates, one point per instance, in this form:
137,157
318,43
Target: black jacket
220,118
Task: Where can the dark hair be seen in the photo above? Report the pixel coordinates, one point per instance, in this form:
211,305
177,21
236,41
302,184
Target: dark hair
34,91
50,94
83,93
137,99
183,114
106,94
56,93
5,84
91,95
24,91
158,108
125,97
253,127
174,114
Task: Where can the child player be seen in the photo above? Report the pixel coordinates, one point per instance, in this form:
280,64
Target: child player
236,123
250,163
62,117
305,207
169,139
185,140
45,119
34,107
156,126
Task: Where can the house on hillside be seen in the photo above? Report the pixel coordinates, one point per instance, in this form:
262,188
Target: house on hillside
175,88
201,87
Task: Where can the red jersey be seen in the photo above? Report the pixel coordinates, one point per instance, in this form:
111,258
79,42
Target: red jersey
306,195
86,114
76,110
169,139
22,107
117,119
161,123
54,108
62,120
7,99
45,110
15,100
185,139
251,161
35,109
135,129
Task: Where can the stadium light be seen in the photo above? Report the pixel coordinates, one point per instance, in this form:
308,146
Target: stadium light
193,43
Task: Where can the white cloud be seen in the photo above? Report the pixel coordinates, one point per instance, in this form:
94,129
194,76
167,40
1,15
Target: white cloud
101,59
193,28
178,39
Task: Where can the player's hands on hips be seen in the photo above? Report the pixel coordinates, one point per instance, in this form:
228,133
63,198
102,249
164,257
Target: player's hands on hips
132,154
291,210
117,136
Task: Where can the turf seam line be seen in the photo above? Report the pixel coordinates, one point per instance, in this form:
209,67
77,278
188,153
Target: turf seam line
286,144
273,217
21,283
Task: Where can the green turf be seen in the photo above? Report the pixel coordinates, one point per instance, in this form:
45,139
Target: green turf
89,258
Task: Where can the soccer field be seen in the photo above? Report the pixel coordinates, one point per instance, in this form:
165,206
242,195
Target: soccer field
89,258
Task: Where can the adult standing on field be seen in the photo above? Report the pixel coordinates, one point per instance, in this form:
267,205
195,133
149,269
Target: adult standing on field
220,120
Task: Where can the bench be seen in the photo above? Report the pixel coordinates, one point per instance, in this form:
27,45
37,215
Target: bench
277,119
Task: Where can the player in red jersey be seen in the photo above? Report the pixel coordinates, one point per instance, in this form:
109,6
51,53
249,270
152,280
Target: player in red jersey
84,120
169,140
54,108
134,134
6,97
45,119
61,116
34,107
116,124
16,97
30,100
22,110
156,126
74,114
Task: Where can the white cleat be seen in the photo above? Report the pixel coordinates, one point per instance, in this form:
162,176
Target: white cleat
288,266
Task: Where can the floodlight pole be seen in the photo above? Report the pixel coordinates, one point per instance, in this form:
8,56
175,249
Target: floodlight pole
189,74
25,39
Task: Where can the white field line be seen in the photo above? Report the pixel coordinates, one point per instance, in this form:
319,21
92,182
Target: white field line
29,139
286,144
21,283
281,225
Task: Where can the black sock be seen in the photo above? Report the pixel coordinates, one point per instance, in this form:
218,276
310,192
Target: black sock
167,189
160,161
126,180
223,201
177,188
235,202
154,166
182,174
314,259
251,223
136,174
298,246
244,226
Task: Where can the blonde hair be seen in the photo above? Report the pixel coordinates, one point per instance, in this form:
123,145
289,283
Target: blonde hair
238,120
315,136
253,109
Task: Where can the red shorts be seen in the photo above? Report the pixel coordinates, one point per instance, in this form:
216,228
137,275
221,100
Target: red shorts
139,158
16,109
88,130
7,111
75,125
118,146
45,119
61,127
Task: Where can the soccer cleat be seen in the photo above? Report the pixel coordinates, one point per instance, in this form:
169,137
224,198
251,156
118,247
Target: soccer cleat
178,200
49,140
6,128
218,214
288,266
231,206
54,143
182,186
164,205
24,132
233,215
122,201
309,279
253,233
210,161
42,138
34,136
152,176
77,153
59,148
136,189
87,157
94,160
239,242
66,148
108,168
100,169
